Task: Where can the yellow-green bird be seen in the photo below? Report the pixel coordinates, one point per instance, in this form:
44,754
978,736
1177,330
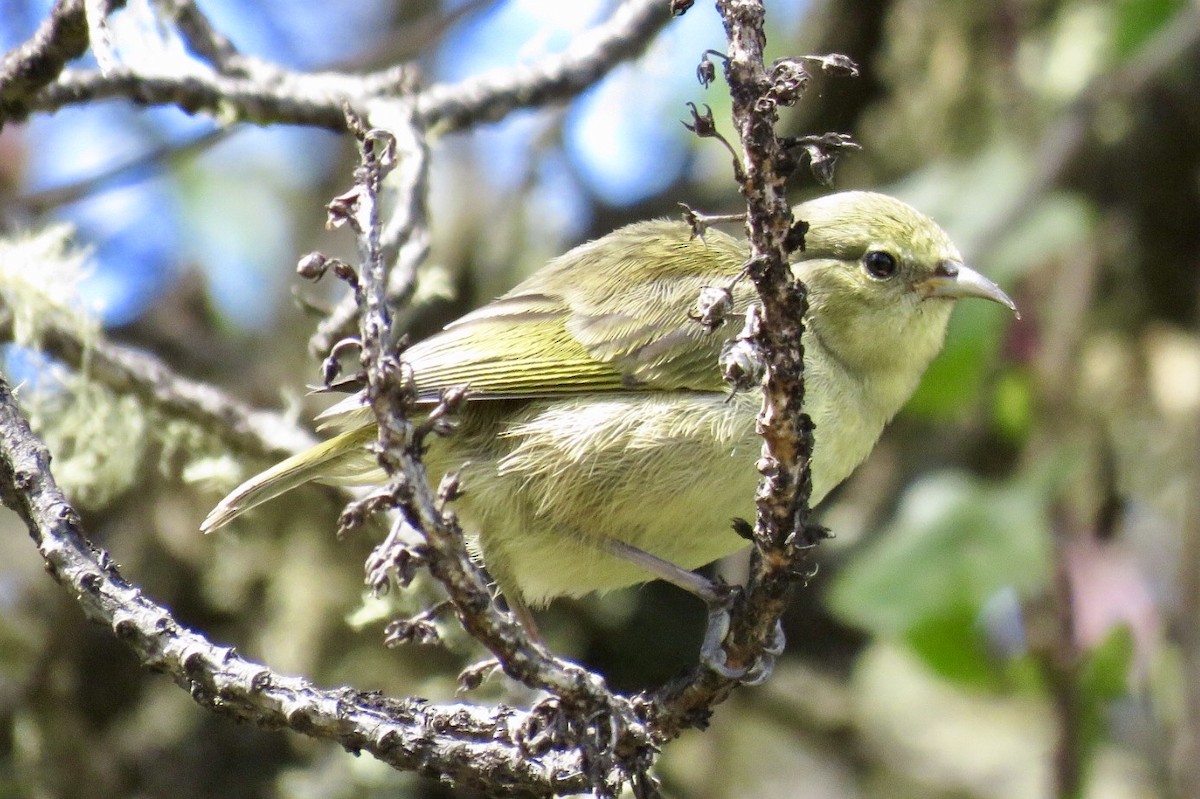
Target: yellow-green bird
599,428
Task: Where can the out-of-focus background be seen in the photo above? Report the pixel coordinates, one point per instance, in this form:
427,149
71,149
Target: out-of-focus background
1009,598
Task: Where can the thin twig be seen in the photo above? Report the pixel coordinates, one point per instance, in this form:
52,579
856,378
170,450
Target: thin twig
417,36
312,99
403,240
202,39
601,725
257,433
782,533
275,95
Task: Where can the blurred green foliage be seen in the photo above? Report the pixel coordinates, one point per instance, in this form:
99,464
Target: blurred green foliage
1077,423
953,543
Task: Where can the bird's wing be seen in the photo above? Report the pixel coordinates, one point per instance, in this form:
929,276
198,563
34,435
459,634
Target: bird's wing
549,337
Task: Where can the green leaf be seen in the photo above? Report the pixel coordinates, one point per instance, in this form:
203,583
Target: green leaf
1138,20
954,542
951,644
955,377
1012,404
1105,672
1102,679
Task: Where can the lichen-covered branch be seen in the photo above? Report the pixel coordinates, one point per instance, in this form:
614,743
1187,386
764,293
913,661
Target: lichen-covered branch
782,533
784,494
250,90
312,99
587,717
62,37
480,748
257,433
489,97
404,238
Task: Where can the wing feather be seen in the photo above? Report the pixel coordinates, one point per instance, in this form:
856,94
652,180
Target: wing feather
550,337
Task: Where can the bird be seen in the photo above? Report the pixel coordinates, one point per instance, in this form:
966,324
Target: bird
600,446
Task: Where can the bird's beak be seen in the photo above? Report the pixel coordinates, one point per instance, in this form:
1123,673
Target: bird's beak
954,280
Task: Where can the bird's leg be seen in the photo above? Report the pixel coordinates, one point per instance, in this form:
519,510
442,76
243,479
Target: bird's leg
524,616
718,598
712,593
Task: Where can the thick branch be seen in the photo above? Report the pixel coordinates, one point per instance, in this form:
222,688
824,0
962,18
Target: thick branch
476,747
265,94
62,37
292,98
782,533
601,724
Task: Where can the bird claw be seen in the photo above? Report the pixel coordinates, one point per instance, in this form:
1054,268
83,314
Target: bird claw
474,675
712,654
778,641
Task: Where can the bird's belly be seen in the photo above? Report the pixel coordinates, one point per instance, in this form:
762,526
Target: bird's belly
665,474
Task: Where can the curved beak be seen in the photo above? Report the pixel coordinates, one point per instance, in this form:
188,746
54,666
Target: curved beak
956,281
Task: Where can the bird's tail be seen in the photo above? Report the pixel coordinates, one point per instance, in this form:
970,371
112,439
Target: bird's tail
340,460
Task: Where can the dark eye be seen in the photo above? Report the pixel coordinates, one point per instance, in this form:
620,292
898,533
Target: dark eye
879,264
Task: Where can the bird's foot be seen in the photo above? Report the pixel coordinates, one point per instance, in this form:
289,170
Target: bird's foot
720,599
712,654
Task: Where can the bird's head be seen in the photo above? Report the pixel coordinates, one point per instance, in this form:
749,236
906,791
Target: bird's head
882,279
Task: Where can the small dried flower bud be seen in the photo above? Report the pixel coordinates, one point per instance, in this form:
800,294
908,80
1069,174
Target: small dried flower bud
473,676
795,236
823,152
345,271
703,125
741,364
765,106
332,366
788,81
450,488
743,528
822,163
835,64
417,631
341,209
453,397
312,266
712,307
698,225
706,71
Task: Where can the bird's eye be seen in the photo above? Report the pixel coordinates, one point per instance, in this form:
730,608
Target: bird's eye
879,264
